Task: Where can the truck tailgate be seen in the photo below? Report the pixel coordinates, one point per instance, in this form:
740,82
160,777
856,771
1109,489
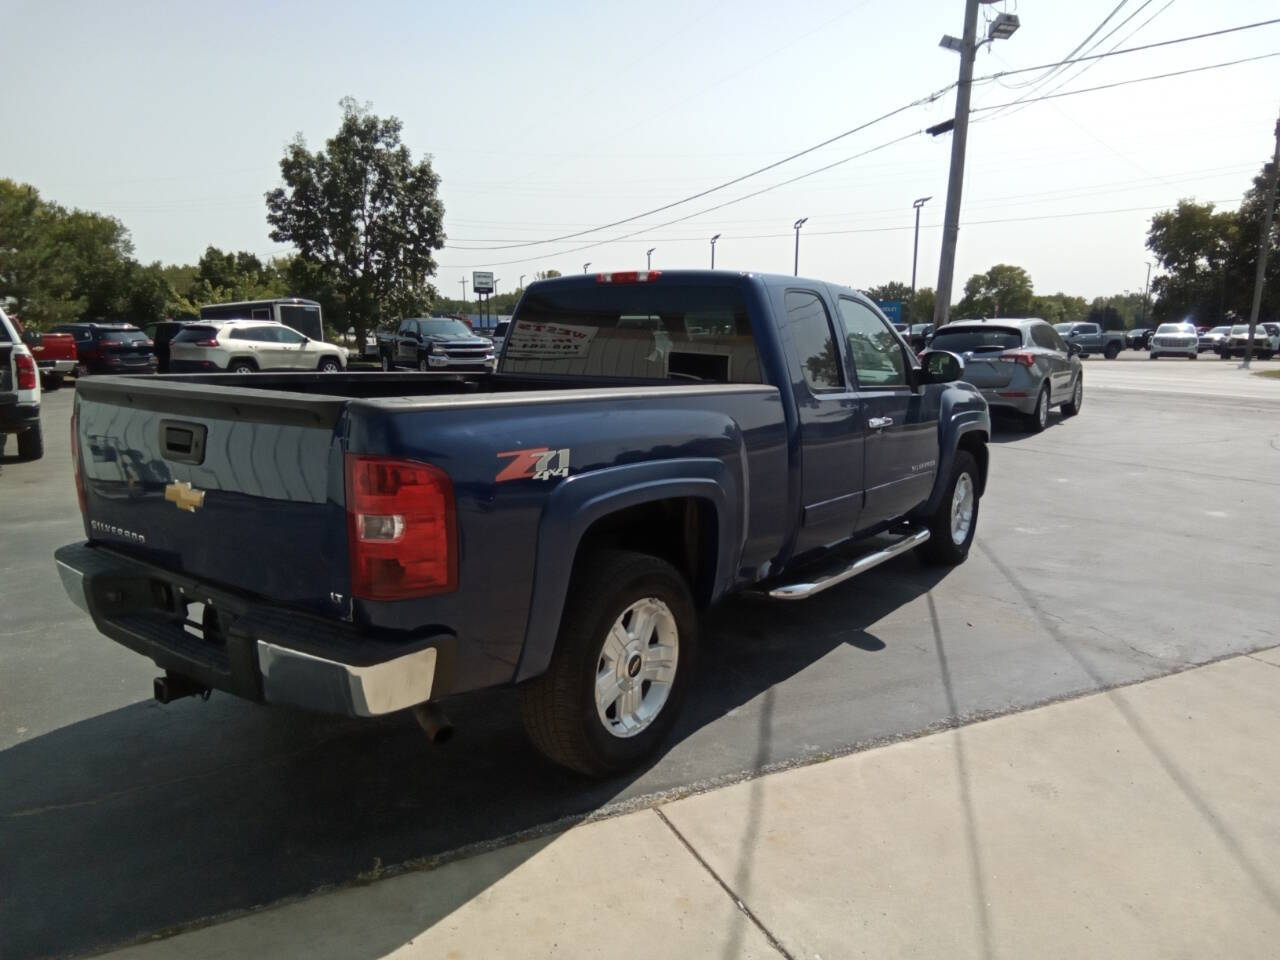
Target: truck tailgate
240,488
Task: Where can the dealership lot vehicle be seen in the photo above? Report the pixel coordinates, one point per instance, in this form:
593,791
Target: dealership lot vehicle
500,337
305,316
1138,338
1213,339
1238,339
918,336
613,477
1175,340
1019,365
250,346
110,348
19,393
1090,338
162,335
435,343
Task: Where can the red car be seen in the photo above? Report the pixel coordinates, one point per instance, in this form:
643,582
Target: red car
55,354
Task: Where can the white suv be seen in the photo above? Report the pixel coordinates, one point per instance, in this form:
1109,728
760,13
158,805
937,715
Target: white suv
1175,340
247,346
19,394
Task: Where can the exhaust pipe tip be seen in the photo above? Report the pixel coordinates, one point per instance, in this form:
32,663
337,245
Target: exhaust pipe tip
172,687
434,723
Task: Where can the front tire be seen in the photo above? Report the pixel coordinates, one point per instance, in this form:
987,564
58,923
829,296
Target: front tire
330,365
31,443
1193,356
953,524
1038,418
386,364
621,668
423,366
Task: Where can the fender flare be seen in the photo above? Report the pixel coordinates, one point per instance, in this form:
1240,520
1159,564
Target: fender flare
952,425
580,501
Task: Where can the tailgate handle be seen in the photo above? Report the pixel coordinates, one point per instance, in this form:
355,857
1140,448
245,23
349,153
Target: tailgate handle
879,423
182,442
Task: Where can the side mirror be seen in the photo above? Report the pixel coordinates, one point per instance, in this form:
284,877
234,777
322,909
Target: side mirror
940,366
1072,349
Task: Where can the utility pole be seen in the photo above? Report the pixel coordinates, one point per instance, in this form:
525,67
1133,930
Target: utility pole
915,247
463,281
1001,28
713,250
797,225
1146,290
1264,247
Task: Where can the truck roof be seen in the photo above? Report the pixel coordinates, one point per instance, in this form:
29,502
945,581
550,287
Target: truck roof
717,277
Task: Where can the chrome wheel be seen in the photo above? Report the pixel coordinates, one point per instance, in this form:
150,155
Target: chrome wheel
636,667
1042,408
962,501
386,363
422,366
1077,395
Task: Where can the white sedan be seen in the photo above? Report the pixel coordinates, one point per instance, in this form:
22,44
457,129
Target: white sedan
1175,340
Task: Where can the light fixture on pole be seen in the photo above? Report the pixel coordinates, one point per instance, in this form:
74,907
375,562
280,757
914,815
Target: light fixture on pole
797,225
915,247
585,265
648,258
713,250
1001,28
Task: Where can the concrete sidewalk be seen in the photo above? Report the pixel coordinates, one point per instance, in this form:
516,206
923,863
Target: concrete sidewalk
1141,822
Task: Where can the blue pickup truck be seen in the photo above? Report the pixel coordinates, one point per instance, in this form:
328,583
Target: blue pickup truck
649,444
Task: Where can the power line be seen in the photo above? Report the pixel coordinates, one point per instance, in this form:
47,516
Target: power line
1125,83
1146,46
729,183
1055,68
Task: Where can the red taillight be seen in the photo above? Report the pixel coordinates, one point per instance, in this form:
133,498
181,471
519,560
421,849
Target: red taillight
26,372
629,276
1026,359
400,529
211,342
75,462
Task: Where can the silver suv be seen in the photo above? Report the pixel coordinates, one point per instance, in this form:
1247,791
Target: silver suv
1022,365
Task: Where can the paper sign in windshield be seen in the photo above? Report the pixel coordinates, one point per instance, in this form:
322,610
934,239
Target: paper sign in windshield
548,341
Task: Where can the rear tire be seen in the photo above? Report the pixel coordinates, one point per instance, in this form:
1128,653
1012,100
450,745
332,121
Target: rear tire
1112,351
386,363
1038,419
242,366
563,713
1193,356
949,536
423,366
1153,356
31,443
1072,406
51,382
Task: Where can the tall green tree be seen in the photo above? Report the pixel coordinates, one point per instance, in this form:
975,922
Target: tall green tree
893,290
1003,291
363,215
1059,308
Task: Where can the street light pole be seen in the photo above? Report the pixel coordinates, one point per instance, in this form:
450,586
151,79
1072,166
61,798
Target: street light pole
915,247
585,265
1001,28
797,225
463,281
713,250
648,258
1264,246
522,276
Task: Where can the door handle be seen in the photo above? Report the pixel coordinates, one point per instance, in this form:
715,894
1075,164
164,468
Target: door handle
879,423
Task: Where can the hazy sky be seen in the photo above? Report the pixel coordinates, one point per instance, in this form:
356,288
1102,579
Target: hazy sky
547,118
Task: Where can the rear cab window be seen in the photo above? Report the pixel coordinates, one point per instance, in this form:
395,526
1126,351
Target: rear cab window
649,331
977,339
193,333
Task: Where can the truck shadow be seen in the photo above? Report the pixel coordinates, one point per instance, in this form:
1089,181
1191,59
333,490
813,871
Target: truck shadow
150,817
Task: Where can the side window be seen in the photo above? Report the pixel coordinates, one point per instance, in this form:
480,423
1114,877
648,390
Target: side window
260,313
240,333
286,335
808,333
1043,336
877,355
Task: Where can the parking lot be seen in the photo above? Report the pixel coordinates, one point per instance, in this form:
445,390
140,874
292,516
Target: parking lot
1131,541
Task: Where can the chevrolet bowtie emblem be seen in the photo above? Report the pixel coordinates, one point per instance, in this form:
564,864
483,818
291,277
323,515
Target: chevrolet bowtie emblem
184,496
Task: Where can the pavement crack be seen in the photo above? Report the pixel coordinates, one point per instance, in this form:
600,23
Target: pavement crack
1260,660
737,901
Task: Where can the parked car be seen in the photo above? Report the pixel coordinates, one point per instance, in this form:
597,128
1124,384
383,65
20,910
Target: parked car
345,542
19,394
1019,365
1091,338
162,334
1175,340
55,354
1238,339
305,316
919,336
435,343
1138,338
110,348
1212,339
248,346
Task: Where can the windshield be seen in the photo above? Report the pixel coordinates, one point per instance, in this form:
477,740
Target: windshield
1062,327
1241,330
977,339
1220,330
635,330
445,328
1176,328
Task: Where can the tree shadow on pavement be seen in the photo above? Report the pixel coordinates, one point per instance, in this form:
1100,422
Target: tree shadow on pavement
149,818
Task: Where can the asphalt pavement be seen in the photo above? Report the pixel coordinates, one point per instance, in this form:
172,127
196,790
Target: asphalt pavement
1129,542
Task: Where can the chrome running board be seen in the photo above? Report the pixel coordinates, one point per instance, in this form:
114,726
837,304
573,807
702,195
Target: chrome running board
803,591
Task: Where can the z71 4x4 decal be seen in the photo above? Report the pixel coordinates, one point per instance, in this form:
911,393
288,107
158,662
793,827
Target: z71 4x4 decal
540,463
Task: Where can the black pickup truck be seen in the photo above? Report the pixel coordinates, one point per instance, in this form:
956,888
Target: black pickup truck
650,443
435,343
